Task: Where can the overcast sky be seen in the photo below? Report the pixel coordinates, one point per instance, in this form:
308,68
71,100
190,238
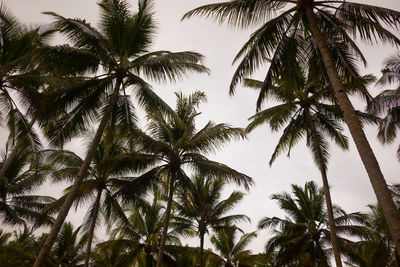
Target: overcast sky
350,186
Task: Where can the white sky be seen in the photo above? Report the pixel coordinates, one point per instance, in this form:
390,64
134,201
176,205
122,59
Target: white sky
350,187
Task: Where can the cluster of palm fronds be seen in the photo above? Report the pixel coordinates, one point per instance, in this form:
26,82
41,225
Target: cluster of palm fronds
89,88
302,238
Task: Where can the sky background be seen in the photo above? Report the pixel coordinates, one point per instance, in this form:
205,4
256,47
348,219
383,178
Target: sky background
350,186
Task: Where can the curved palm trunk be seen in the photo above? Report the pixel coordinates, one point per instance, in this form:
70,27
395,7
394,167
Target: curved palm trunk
328,200
91,227
51,238
202,249
371,165
166,222
13,153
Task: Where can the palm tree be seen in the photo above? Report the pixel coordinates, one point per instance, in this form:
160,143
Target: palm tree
68,247
20,251
4,239
175,141
370,253
304,113
21,82
232,252
105,182
121,48
323,28
200,203
24,247
142,234
387,102
379,248
23,176
303,236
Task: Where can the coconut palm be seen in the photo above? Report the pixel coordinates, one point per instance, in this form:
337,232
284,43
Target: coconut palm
142,234
303,237
106,183
387,103
304,112
21,81
178,145
68,247
200,203
21,250
120,47
378,249
370,253
311,27
22,177
232,252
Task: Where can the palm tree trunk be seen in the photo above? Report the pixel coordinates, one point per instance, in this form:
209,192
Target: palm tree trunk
13,153
328,200
92,226
166,222
51,238
149,260
371,165
202,249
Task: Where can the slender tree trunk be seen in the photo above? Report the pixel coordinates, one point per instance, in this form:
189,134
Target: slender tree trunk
149,259
166,222
328,200
392,216
51,238
92,226
13,153
202,249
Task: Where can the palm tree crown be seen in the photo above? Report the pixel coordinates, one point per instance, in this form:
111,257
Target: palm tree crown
22,177
141,237
107,182
303,237
200,203
233,252
387,103
178,145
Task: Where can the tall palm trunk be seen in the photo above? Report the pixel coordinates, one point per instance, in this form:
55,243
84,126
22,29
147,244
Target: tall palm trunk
371,165
13,153
166,222
202,248
328,200
92,226
79,178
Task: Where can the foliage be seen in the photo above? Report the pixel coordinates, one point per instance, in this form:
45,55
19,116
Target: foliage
303,238
18,206
387,103
24,246
232,252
